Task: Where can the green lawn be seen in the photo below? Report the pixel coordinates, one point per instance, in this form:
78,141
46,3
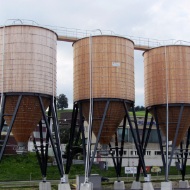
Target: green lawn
25,167
138,113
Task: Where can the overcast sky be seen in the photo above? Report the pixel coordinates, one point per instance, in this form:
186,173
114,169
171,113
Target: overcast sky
161,19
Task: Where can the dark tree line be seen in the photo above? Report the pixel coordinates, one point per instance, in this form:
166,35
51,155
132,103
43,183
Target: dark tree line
138,108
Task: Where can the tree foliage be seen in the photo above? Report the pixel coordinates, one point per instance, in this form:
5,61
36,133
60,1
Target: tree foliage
62,102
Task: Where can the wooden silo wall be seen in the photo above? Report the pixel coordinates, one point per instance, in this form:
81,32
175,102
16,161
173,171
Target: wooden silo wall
28,116
112,68
114,116
173,62
112,77
174,113
27,64
29,59
177,59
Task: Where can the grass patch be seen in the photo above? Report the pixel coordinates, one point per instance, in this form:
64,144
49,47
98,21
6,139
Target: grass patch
22,167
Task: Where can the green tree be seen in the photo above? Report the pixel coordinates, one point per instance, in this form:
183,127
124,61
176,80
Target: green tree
62,102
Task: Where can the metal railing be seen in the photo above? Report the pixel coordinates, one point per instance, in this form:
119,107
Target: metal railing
80,33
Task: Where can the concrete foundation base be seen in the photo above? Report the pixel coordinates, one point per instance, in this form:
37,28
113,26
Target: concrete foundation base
64,186
86,186
136,185
44,186
119,185
65,179
166,185
148,186
184,184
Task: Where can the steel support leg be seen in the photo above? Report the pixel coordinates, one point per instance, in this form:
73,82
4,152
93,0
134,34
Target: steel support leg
38,155
113,158
56,131
159,138
176,134
99,133
186,155
11,124
81,126
42,151
1,113
122,145
71,139
60,166
137,143
144,142
117,155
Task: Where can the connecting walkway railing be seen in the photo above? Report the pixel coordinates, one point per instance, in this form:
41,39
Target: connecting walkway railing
73,34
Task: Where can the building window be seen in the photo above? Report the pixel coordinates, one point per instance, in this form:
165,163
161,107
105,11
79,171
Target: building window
157,152
148,153
134,152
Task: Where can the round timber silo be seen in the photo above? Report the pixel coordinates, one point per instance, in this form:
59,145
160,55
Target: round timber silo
112,77
167,71
27,67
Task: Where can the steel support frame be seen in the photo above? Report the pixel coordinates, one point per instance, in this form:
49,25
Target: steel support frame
118,159
119,151
183,156
51,114
99,134
176,133
55,145
144,141
136,137
73,140
2,114
184,159
159,138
